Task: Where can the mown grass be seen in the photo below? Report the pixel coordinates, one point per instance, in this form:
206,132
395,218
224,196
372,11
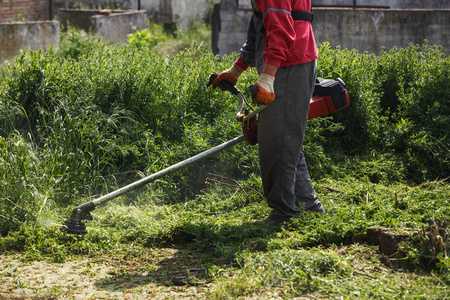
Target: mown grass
315,255
84,119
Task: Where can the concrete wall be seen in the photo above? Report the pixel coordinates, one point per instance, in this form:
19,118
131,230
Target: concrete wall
229,27
30,35
178,12
37,35
396,4
77,18
361,29
23,10
113,25
370,29
152,7
181,13
96,4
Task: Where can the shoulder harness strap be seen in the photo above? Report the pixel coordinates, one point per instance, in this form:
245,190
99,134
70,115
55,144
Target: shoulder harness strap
302,15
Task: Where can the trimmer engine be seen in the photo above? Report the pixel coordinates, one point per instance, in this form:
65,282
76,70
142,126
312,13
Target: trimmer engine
329,97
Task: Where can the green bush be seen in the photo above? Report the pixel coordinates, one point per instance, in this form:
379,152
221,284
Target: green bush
144,39
361,120
76,42
417,104
398,104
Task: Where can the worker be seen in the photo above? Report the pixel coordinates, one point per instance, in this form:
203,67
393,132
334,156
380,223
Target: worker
281,45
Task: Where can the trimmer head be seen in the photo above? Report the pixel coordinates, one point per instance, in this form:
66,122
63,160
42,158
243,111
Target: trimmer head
75,225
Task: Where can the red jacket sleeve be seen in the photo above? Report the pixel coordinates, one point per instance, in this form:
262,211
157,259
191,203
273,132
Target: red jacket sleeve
279,26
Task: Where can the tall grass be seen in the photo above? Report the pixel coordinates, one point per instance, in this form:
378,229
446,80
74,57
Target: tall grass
96,117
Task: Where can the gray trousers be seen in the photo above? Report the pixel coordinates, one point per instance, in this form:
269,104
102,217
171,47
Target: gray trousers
281,128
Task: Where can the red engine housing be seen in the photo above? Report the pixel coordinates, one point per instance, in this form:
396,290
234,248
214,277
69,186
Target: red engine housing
324,105
329,97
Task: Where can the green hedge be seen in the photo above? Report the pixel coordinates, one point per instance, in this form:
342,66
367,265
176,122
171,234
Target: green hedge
400,105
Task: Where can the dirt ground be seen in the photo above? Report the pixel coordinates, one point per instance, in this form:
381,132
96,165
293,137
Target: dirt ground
139,273
162,273
139,276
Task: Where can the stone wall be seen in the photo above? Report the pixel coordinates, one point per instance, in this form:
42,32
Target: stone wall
31,35
23,10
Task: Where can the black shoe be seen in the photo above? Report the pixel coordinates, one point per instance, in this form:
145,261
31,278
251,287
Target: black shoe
316,209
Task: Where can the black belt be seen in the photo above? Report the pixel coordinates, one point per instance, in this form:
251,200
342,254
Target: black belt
302,15
297,15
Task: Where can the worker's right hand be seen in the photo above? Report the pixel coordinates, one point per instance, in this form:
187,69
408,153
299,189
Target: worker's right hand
231,75
262,91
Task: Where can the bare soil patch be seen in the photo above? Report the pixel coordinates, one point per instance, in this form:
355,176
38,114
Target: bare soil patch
145,275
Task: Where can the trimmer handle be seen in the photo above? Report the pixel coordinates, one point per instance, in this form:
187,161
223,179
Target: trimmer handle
227,85
253,90
235,91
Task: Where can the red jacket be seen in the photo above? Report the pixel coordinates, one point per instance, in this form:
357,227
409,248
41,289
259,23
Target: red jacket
286,41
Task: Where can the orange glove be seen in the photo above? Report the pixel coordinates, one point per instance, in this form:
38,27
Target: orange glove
231,75
262,91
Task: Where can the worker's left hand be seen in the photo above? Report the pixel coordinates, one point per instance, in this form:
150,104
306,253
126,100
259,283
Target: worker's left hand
262,91
231,76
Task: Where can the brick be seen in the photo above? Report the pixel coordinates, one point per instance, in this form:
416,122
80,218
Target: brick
29,9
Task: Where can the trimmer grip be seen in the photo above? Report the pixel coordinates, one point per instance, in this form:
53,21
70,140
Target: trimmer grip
212,77
253,90
227,85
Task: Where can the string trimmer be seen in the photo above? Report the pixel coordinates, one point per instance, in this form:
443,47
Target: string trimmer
329,96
